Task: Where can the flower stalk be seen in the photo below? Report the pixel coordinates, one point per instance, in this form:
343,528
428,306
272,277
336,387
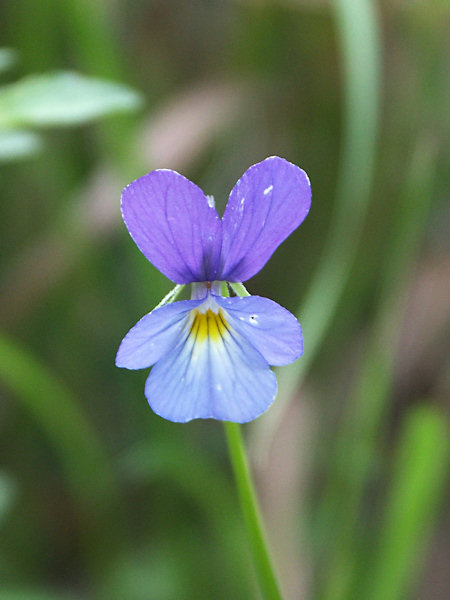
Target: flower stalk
255,528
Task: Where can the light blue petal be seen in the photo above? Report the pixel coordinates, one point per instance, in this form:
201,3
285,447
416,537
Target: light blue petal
226,379
268,327
154,335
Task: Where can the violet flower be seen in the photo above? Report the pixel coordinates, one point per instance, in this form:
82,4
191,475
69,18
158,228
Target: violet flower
211,354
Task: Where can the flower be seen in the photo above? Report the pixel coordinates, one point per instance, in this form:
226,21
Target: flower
212,354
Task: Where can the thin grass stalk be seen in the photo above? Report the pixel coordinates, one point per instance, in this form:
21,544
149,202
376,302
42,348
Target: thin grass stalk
356,446
359,40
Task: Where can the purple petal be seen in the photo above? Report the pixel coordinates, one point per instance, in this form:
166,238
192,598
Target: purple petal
268,202
154,335
269,327
173,225
224,379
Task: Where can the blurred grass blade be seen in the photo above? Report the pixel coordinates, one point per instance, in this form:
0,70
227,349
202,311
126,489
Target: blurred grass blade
92,37
417,485
84,463
27,594
16,144
8,58
63,98
360,49
355,451
8,491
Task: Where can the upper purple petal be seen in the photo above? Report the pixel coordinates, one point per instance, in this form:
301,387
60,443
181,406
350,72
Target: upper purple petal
268,202
174,225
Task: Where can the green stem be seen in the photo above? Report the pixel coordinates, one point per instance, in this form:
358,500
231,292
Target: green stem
249,504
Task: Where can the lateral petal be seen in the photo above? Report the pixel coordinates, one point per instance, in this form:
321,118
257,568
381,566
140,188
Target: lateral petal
270,328
268,202
174,225
154,335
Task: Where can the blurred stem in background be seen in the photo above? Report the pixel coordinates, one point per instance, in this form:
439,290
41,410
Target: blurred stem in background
417,482
91,33
357,444
360,49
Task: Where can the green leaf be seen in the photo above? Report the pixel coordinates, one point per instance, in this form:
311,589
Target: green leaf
63,98
17,144
8,58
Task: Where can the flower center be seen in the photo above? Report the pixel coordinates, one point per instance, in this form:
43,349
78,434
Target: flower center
208,325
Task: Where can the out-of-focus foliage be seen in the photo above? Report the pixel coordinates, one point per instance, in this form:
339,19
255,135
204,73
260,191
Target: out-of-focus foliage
16,144
62,99
99,497
54,99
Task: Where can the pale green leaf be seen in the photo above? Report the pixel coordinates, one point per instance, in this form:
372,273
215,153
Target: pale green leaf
63,98
8,58
16,144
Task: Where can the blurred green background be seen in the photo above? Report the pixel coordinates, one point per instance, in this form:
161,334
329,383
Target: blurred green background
99,497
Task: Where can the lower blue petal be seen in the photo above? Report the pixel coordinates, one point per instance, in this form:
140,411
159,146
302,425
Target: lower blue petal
224,378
